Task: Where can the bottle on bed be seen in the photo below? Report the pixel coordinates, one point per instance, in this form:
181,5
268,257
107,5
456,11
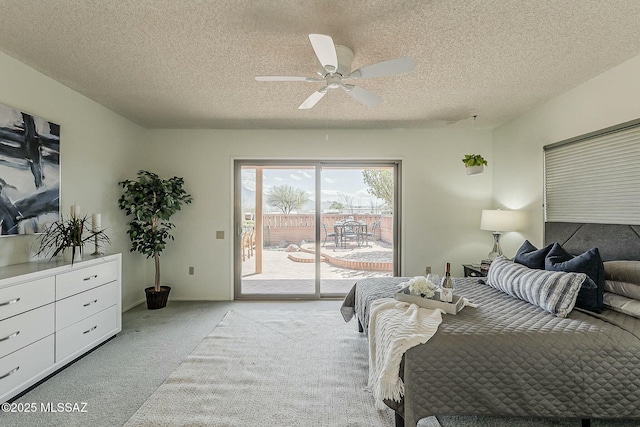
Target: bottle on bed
446,291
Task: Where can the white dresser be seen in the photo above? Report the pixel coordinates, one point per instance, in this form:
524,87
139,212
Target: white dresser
51,313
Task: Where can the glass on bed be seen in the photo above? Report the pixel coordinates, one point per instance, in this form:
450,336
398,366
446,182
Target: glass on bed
434,278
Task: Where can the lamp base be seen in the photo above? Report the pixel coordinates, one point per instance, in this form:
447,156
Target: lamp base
497,250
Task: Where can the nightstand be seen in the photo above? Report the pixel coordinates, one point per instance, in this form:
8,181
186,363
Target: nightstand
472,271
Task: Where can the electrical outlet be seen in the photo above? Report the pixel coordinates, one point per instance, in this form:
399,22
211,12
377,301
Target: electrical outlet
427,270
191,271
219,234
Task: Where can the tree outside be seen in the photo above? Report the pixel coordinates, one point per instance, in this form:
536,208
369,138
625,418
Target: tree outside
380,182
335,205
286,198
348,202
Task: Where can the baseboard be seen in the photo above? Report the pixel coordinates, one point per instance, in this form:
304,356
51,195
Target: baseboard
198,299
135,304
144,301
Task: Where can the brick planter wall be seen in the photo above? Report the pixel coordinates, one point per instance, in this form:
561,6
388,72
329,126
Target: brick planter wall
343,263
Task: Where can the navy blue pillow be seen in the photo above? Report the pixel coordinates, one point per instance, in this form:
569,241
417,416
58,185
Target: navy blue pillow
530,256
591,293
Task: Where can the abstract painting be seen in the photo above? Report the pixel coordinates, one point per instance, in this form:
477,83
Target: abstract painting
29,172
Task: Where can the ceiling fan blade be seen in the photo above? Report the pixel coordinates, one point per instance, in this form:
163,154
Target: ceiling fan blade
325,50
313,99
287,79
362,95
386,68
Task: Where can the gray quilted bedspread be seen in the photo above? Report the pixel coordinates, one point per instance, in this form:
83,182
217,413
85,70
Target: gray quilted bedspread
510,358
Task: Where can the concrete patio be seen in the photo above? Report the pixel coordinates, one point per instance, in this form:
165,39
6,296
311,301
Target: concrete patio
283,275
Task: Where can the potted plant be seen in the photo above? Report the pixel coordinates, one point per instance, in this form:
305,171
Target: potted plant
152,201
474,163
67,237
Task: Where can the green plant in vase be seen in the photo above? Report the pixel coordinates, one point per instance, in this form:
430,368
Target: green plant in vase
68,234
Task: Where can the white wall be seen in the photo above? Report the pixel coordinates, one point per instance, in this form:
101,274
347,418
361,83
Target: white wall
606,100
98,149
441,204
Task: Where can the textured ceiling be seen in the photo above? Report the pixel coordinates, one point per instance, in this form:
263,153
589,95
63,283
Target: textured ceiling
191,64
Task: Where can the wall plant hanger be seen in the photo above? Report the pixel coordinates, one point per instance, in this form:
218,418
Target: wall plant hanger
474,163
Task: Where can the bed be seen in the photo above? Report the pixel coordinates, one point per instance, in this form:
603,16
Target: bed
509,357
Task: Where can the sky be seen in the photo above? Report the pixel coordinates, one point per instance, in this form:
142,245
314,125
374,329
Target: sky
345,181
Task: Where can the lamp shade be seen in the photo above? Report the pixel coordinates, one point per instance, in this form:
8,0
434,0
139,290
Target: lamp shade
499,220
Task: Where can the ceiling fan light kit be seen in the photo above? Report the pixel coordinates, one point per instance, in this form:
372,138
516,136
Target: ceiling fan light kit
335,66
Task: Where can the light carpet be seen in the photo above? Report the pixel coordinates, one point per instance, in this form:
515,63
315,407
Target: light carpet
271,368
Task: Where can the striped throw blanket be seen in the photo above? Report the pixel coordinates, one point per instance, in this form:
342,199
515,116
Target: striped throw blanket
395,327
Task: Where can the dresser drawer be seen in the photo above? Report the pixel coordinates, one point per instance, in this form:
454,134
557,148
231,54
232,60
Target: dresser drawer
85,332
80,280
21,330
24,364
26,296
75,308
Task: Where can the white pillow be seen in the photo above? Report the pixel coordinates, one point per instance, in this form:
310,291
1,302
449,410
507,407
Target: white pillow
553,291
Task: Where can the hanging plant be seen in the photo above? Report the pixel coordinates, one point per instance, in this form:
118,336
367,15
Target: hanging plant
474,160
474,163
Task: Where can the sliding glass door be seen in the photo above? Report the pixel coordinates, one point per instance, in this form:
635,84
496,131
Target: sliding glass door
276,229
357,224
311,229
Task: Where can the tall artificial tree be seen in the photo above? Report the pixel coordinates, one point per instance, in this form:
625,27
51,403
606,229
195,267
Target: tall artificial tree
152,201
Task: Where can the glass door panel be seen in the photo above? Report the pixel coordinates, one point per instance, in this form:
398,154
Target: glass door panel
278,231
357,225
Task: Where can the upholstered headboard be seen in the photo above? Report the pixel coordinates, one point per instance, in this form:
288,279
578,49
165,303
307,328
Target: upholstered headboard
614,241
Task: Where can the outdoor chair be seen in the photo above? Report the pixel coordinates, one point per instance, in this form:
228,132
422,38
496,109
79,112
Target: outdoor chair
327,235
372,233
248,242
350,230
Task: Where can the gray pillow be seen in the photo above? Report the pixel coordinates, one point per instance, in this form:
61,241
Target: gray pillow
628,306
553,291
629,290
622,271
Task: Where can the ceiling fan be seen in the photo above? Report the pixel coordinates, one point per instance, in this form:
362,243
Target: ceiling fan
335,62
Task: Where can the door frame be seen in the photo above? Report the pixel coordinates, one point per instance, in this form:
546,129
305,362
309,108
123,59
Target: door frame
237,216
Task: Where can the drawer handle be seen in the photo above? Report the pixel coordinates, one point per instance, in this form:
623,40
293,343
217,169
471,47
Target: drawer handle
8,337
90,330
89,303
11,372
95,276
13,301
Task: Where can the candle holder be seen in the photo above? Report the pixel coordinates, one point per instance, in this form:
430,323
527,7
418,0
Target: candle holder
96,228
96,244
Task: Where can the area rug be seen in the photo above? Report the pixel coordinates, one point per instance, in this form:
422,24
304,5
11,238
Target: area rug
271,368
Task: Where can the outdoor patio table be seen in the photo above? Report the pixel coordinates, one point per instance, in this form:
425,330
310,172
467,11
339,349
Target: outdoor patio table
350,230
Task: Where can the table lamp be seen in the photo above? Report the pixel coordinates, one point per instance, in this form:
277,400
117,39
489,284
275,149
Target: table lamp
498,221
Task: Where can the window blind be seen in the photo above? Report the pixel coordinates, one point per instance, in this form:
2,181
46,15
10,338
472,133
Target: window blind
594,179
